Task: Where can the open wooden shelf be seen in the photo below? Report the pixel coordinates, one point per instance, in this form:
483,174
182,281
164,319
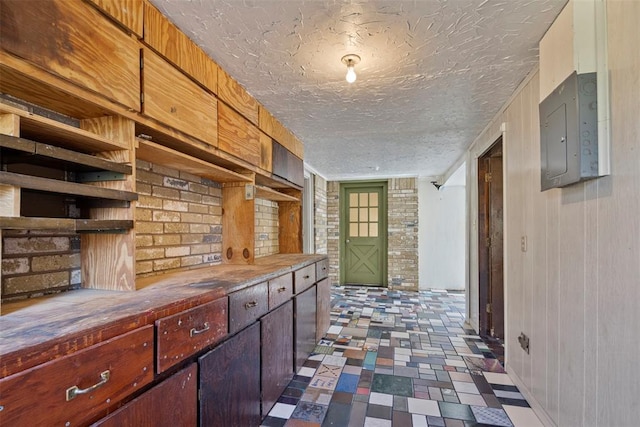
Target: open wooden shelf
41,128
66,224
64,187
33,152
267,193
159,154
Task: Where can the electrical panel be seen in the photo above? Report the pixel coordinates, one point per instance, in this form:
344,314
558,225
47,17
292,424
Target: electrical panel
569,132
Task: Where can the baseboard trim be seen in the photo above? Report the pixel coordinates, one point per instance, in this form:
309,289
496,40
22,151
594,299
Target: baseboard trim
535,405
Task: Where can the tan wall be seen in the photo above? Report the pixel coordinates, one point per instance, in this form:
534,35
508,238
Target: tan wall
178,220
266,228
576,290
320,218
403,233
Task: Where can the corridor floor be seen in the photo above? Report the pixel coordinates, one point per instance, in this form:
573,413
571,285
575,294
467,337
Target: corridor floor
400,359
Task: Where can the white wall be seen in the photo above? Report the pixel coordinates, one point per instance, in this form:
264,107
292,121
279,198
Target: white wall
576,290
441,239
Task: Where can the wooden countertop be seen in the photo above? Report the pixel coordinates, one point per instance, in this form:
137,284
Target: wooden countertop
42,329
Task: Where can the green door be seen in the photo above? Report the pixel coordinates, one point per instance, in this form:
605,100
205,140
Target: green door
364,233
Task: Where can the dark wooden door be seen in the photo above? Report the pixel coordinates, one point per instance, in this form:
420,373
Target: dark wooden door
305,325
173,402
277,354
490,242
230,382
364,234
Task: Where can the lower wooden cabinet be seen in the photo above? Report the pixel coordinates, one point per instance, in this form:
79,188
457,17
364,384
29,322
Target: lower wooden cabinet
277,354
230,381
173,402
305,325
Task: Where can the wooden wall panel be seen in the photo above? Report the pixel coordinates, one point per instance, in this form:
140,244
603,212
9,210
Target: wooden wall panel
173,99
108,260
238,219
126,12
237,136
231,92
76,42
173,44
575,290
556,52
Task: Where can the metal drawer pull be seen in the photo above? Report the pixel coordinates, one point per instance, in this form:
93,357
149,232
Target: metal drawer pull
250,304
72,392
282,289
195,331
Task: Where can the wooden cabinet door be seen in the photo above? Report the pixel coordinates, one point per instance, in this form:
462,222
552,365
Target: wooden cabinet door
173,402
230,382
277,354
323,308
305,325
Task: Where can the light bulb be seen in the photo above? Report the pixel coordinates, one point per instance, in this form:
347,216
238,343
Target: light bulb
351,74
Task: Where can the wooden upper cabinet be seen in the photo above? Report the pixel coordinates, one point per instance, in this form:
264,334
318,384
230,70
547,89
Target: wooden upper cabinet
237,136
74,41
237,97
173,44
287,166
266,152
174,100
272,127
127,12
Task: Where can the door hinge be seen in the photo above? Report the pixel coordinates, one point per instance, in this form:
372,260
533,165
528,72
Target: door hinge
488,242
487,177
488,308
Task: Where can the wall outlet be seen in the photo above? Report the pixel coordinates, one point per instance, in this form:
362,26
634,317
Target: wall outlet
523,243
524,342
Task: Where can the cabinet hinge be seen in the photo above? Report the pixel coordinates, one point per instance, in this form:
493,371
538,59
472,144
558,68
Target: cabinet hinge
488,242
141,62
141,98
487,177
199,394
488,308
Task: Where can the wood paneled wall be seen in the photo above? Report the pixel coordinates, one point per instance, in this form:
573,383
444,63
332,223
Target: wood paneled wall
576,290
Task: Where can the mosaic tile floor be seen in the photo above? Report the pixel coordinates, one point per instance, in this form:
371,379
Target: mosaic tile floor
400,359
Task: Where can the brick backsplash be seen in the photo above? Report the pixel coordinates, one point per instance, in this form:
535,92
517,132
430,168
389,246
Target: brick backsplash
266,240
178,220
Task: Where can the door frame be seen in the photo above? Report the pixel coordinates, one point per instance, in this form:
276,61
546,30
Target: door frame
483,254
383,224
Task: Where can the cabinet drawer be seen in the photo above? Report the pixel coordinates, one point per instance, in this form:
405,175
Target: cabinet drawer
247,305
187,332
280,290
76,388
322,269
304,278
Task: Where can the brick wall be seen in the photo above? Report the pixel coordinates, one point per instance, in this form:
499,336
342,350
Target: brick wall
402,217
333,230
178,220
320,217
266,228
35,263
403,233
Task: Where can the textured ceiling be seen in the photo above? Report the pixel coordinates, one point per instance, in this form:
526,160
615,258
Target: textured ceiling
433,72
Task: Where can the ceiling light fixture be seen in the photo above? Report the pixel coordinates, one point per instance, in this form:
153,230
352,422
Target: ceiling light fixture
351,61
